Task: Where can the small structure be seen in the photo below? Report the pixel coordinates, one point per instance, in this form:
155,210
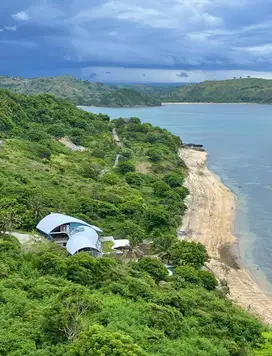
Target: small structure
116,245
122,244
74,234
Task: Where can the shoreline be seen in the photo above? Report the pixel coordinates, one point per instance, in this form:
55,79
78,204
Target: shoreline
209,220
203,103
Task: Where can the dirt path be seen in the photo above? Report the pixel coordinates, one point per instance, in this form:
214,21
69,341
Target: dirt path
209,220
116,138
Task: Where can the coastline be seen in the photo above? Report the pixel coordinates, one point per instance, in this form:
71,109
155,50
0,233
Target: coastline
209,220
201,103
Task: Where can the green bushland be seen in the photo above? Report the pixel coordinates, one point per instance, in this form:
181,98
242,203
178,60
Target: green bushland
39,175
54,304
79,92
239,90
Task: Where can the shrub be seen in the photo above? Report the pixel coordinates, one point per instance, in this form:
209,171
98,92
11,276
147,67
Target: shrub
52,264
154,267
125,167
133,178
174,179
161,188
188,253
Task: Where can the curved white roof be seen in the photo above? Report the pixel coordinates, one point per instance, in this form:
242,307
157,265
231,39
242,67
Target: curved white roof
82,237
51,221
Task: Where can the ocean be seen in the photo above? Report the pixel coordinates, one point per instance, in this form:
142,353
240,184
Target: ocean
238,139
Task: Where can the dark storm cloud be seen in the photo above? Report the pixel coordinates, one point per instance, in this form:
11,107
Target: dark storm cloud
182,75
44,36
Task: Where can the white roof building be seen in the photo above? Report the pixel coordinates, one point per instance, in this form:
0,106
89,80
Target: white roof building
53,220
74,234
82,238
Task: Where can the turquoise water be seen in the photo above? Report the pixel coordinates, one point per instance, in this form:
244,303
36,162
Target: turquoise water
238,139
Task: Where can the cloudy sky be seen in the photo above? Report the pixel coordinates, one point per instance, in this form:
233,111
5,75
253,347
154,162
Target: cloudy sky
137,40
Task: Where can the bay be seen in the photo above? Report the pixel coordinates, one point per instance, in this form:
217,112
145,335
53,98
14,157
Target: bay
238,139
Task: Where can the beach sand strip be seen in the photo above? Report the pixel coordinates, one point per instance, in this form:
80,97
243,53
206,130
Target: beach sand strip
209,220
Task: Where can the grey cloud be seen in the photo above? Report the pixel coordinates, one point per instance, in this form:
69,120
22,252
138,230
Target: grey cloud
173,34
182,75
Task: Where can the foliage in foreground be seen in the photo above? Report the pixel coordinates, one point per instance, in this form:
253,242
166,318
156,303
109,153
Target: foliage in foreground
52,304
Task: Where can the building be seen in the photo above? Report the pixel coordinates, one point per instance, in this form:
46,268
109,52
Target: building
120,245
73,234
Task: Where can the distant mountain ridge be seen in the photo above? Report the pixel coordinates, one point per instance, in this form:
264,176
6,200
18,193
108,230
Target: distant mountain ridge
79,92
83,92
242,90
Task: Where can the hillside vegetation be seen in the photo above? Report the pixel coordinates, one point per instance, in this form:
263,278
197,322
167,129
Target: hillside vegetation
248,90
55,304
78,92
141,197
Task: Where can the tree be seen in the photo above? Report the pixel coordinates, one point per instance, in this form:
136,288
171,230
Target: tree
188,274
208,280
154,267
131,231
125,167
174,179
97,341
154,155
10,214
57,130
135,120
64,318
156,217
134,178
49,263
132,208
163,241
188,253
161,188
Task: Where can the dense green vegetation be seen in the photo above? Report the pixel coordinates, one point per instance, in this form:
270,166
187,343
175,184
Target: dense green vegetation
53,304
138,199
78,91
240,90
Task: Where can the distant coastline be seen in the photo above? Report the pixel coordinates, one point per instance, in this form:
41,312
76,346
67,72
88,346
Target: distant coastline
200,103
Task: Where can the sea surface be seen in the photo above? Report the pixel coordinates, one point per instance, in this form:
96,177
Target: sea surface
238,139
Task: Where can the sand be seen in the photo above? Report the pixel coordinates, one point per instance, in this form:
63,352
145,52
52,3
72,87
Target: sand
201,103
209,220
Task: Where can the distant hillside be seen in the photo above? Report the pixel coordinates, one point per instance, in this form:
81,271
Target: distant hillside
79,92
248,90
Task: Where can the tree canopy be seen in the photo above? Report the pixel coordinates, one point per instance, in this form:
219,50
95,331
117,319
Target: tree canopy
54,304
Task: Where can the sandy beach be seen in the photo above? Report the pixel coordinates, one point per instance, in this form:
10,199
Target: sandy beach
202,103
209,220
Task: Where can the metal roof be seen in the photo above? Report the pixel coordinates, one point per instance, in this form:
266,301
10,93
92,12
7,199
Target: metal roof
51,221
121,243
83,237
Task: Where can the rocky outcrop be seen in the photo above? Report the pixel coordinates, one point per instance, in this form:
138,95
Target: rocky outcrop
193,146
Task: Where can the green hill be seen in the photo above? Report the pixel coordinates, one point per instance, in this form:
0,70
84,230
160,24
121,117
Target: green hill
55,304
249,90
79,92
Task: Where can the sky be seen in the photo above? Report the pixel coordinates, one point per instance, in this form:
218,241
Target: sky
136,40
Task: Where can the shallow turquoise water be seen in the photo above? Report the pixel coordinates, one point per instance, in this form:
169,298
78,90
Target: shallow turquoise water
238,139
